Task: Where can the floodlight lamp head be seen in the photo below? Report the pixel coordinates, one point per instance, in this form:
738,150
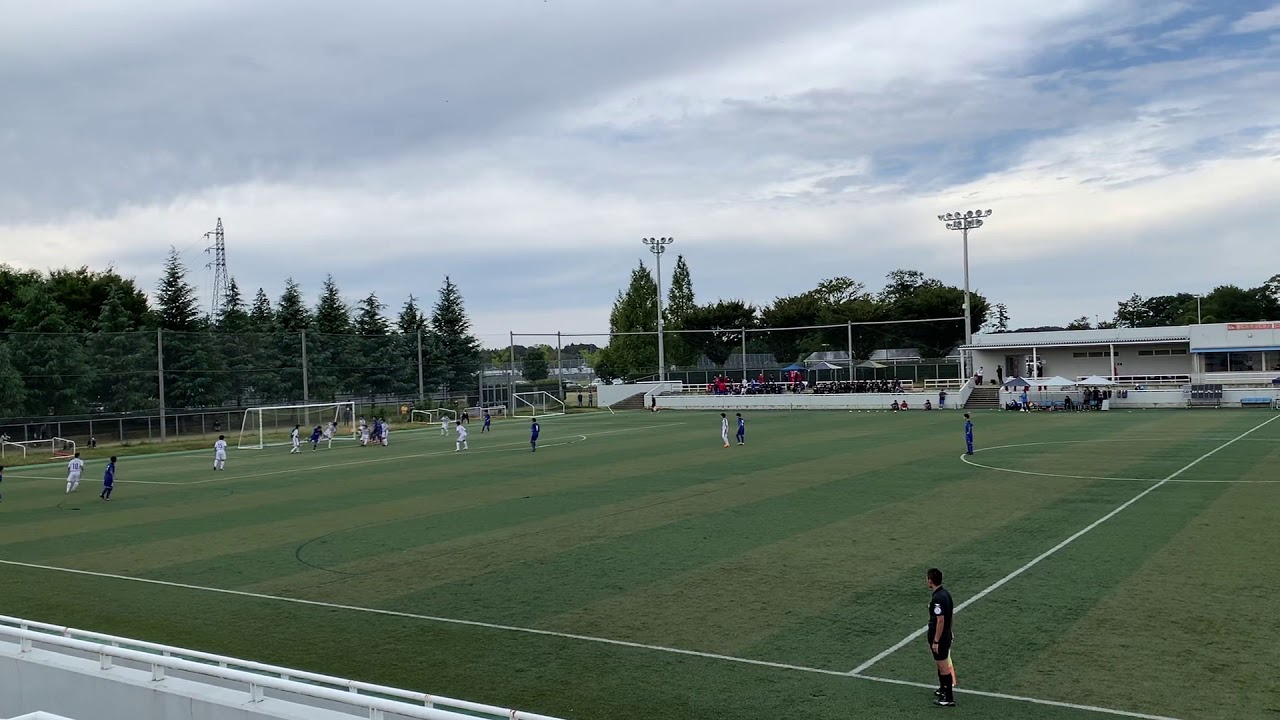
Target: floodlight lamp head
942,217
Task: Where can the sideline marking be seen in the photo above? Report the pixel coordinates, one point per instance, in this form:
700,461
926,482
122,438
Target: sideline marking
965,459
1036,561
583,638
367,461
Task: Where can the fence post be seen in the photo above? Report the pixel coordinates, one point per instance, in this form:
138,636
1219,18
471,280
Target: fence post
160,375
422,395
744,355
511,383
560,365
849,330
306,391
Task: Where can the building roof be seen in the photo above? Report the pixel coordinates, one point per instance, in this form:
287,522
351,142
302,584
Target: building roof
1057,338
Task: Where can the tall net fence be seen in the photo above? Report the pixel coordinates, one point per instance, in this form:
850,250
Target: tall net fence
113,386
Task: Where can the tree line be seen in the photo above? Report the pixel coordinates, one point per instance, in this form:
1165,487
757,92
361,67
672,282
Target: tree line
907,296
1223,304
77,341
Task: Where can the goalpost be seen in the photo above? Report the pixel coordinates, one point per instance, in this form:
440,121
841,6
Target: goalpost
52,447
265,426
425,417
538,404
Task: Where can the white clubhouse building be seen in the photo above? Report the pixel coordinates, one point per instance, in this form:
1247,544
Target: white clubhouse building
1240,354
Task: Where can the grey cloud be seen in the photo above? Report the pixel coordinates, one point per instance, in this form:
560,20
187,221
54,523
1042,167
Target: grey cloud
282,90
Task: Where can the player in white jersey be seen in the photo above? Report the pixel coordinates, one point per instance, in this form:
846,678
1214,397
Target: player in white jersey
444,424
329,431
74,468
220,453
462,438
386,433
296,438
724,429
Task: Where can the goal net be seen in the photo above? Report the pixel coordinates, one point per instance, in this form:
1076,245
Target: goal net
265,426
52,447
537,404
424,416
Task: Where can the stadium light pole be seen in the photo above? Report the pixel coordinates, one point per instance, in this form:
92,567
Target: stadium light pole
657,246
964,222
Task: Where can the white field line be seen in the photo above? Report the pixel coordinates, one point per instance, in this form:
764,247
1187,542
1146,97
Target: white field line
572,636
404,428
367,461
1019,698
1036,561
965,459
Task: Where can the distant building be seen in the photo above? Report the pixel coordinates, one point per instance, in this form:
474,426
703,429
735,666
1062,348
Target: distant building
1227,353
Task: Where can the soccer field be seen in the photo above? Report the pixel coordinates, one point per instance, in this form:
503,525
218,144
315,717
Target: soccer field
1121,563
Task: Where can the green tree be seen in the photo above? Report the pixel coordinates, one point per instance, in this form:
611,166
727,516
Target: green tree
261,317
1000,323
459,350
125,356
13,391
292,319
191,367
724,322
635,310
413,325
82,293
51,359
535,364
334,357
263,383
793,311
680,304
12,284
377,348
1080,323
239,349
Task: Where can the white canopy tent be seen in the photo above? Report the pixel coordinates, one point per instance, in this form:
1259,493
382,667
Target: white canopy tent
1057,381
1095,381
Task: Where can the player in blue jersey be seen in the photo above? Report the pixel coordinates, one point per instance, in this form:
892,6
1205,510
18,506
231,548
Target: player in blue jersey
534,429
316,432
742,430
968,434
487,420
109,479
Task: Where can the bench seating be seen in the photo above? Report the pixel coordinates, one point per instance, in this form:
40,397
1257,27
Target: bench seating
1261,401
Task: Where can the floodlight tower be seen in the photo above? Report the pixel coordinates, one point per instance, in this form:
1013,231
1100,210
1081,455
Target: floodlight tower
964,222
657,246
219,265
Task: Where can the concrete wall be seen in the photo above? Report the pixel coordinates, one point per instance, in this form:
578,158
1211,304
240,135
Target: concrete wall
1235,335
788,401
1063,361
76,687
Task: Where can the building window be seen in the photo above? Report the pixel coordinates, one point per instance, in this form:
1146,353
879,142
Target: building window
1215,362
1178,351
1079,354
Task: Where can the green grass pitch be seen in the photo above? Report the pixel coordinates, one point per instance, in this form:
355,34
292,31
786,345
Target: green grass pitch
783,565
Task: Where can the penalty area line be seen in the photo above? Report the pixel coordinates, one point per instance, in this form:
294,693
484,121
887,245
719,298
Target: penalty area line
572,636
1051,551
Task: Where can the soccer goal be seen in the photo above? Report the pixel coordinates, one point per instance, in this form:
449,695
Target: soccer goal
425,417
52,447
537,404
265,426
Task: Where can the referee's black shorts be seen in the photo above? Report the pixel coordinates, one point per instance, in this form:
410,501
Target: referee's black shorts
944,649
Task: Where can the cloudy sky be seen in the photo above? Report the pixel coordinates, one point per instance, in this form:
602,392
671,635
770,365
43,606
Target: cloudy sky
524,147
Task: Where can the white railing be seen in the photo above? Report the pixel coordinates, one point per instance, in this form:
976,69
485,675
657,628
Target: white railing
965,391
257,677
950,384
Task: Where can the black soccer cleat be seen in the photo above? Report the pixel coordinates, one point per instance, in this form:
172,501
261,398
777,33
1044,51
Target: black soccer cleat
943,702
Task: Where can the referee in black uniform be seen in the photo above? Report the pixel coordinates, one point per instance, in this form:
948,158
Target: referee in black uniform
939,635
